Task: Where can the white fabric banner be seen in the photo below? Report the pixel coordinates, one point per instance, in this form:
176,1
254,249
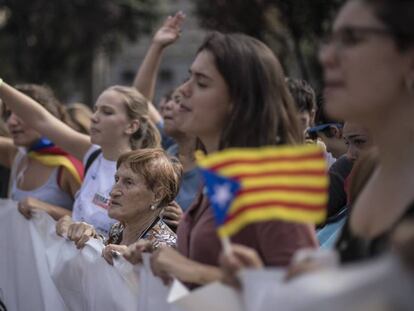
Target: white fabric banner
41,271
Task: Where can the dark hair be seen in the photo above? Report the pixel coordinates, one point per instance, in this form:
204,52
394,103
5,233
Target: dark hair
159,170
261,103
303,94
398,16
45,97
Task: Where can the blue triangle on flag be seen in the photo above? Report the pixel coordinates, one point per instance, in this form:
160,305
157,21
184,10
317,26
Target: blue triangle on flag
221,192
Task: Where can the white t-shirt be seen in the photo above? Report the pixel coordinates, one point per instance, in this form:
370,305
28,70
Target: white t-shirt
91,201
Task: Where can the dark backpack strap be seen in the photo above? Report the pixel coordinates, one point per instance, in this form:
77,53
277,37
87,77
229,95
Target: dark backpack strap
91,158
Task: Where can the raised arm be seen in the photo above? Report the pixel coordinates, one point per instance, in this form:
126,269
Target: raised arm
37,117
146,77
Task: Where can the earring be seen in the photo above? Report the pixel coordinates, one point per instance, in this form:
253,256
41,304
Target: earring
153,207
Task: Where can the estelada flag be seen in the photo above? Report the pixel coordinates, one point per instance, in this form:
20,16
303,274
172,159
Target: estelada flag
247,185
48,154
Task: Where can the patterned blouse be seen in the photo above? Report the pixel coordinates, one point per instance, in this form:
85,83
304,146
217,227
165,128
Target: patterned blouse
159,234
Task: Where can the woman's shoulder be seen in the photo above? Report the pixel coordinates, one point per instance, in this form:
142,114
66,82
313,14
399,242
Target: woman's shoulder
115,234
161,235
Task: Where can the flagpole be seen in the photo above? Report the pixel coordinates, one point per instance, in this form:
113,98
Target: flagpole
225,242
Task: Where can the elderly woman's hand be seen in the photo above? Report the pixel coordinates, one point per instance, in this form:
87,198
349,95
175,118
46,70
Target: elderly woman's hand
112,251
172,214
80,233
62,225
134,251
241,257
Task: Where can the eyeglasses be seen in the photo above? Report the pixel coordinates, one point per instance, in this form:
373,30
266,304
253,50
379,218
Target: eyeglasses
352,35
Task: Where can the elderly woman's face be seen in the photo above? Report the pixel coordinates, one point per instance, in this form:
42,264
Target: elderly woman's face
130,197
364,71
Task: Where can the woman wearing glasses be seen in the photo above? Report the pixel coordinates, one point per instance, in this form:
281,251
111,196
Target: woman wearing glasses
368,65
369,79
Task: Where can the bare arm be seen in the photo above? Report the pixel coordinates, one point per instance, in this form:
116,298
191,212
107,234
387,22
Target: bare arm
7,151
146,77
37,117
167,262
68,183
29,204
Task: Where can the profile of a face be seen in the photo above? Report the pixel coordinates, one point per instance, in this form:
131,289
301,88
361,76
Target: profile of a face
363,68
130,196
205,100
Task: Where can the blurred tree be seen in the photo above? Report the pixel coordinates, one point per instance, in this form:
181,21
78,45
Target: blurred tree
289,27
55,41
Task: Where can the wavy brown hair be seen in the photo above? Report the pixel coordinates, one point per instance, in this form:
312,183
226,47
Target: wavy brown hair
263,112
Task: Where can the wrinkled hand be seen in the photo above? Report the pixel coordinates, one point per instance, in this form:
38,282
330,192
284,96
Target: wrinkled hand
27,205
62,225
163,262
80,233
134,251
112,251
241,257
170,30
172,214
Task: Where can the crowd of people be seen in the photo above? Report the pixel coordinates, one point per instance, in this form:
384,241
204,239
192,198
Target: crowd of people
140,191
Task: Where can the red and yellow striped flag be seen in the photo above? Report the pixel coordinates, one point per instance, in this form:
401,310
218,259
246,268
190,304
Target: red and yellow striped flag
284,182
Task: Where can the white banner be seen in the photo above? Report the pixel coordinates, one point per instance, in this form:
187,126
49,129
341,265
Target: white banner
41,271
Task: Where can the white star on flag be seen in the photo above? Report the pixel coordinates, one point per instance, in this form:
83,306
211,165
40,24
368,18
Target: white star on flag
222,194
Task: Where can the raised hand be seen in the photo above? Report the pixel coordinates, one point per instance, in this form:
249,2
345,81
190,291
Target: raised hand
170,31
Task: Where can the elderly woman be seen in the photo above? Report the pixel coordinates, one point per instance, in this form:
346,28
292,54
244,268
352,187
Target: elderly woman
146,181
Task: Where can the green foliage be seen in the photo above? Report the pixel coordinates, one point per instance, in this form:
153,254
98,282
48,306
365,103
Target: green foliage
54,41
290,27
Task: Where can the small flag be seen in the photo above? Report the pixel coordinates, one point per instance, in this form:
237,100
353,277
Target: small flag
247,185
48,154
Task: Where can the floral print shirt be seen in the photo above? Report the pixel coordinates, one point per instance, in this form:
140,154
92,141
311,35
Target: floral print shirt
159,234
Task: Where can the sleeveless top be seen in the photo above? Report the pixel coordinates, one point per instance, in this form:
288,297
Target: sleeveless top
353,248
49,192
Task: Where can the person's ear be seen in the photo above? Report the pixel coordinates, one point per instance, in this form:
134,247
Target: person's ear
132,127
159,194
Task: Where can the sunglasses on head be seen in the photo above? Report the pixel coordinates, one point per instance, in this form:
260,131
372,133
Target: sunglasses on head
312,132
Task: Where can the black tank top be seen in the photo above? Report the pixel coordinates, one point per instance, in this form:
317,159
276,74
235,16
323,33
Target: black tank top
354,248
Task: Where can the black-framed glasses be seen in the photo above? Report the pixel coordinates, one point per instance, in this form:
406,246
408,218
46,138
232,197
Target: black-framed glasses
350,36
